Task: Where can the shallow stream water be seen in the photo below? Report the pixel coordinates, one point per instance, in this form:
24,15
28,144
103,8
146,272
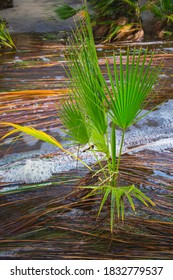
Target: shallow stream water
33,81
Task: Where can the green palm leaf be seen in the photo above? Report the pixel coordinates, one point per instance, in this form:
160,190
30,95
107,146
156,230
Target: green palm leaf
38,134
116,197
131,201
130,88
86,78
33,132
107,191
75,123
99,141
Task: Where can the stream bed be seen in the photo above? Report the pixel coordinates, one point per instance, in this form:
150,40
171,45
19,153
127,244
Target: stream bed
43,215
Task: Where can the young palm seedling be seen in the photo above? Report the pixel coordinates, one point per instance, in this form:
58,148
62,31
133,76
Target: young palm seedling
96,103
91,106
